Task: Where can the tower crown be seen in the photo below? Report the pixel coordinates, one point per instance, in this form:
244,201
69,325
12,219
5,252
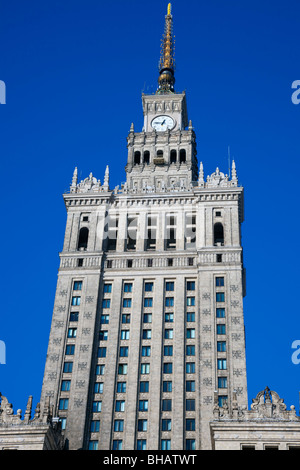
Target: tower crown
166,80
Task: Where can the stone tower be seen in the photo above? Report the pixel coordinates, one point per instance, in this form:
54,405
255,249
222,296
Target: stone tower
148,329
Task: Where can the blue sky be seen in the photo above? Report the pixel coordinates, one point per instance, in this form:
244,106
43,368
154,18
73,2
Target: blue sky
74,74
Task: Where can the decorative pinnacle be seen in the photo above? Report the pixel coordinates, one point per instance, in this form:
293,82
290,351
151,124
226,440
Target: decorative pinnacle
166,79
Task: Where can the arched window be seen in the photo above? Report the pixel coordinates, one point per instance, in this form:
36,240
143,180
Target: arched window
182,156
146,157
137,158
83,238
160,153
173,156
218,234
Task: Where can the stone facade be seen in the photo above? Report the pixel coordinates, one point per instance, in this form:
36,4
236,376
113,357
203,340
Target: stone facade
268,425
42,432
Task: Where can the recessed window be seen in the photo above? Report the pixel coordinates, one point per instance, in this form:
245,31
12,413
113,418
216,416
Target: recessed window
148,286
128,287
190,285
122,369
169,286
219,281
221,329
145,368
221,346
76,301
107,288
77,285
220,297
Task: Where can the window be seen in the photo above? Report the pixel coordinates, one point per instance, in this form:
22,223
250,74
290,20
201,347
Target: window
220,297
95,427
190,386
182,156
190,368
221,346
190,301
190,404
167,404
122,369
97,406
219,258
145,368
68,367
148,302
190,333
169,334
107,288
167,386
128,287
148,286
143,405
120,405
170,262
101,352
190,350
146,351
190,316
190,424
144,387
129,263
80,262
126,318
166,444
166,425
65,385
220,313
218,234
100,369
219,281
221,329
83,239
167,368
147,318
117,444
150,263
63,423
169,302
118,425
74,316
137,158
125,334
98,387
146,157
168,350
169,317
77,285
123,351
222,399
126,303
169,286
70,349
222,382
104,319
141,444
142,425
222,364
93,445
147,334
106,303
72,332
121,387
173,156
103,335
190,285
76,301
63,404
190,444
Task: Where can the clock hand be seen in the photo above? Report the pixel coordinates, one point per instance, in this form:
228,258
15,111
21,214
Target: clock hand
162,123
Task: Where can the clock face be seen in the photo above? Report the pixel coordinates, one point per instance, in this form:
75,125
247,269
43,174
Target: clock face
162,123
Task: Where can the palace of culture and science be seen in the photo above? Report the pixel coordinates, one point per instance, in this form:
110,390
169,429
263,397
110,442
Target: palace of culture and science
147,342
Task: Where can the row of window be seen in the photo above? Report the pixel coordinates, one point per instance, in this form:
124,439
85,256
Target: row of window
165,444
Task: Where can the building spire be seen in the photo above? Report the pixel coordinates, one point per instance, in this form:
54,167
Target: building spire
166,78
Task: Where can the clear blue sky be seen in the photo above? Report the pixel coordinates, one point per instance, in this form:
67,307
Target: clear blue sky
74,72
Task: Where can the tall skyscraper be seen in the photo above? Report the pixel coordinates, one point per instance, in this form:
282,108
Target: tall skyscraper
148,328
